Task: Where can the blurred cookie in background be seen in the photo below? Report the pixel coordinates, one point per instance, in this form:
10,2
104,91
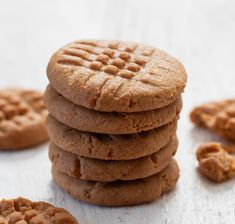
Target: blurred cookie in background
218,117
22,119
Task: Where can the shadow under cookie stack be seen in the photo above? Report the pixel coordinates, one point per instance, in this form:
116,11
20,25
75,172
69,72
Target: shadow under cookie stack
114,108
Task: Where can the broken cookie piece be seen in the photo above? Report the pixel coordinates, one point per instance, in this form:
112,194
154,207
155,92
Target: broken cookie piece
216,116
215,163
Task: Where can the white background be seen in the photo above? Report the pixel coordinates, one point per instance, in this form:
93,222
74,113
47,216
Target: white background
201,33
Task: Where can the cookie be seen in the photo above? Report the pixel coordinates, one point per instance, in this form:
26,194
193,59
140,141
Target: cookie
96,170
110,123
24,211
120,193
116,76
109,147
218,117
22,118
215,163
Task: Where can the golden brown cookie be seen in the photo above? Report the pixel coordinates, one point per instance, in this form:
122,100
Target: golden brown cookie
216,116
24,211
110,123
22,118
120,193
109,147
116,76
107,171
215,163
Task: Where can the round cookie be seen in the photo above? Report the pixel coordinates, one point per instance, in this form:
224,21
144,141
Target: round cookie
120,193
116,76
109,147
110,123
96,170
23,211
22,118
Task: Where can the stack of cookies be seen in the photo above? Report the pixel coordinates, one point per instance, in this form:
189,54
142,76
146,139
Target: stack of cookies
113,109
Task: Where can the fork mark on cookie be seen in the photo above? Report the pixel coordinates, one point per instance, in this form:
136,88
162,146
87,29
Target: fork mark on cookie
114,59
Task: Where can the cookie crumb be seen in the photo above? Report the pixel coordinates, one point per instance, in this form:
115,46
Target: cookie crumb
215,163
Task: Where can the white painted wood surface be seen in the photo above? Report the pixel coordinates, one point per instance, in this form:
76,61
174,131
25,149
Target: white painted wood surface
200,33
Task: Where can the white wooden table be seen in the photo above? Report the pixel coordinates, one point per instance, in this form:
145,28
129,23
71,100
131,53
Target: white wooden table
200,33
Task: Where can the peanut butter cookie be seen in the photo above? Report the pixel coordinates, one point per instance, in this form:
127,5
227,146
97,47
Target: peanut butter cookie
107,171
215,163
218,117
109,147
120,193
22,118
109,123
24,211
116,76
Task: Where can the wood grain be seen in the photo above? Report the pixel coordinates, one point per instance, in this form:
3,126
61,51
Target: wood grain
200,33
